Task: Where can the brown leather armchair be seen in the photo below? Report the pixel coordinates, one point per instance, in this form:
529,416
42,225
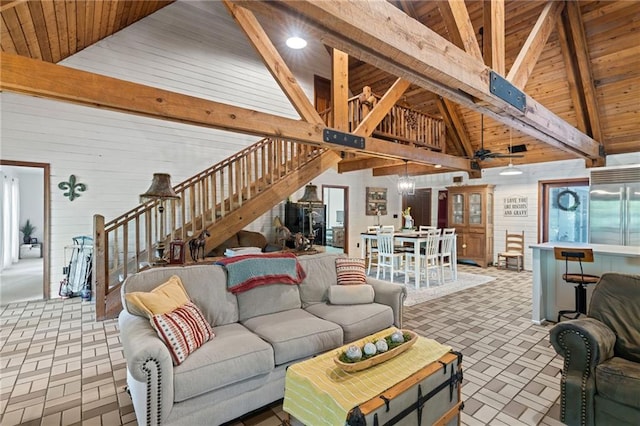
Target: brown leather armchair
600,382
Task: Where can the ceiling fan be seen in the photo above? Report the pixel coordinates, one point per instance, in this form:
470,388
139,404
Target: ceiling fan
483,154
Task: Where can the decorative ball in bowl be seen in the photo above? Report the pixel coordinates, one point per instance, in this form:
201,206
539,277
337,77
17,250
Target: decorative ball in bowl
374,351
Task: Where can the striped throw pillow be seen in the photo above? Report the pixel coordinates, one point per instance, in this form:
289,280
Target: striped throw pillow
183,330
350,271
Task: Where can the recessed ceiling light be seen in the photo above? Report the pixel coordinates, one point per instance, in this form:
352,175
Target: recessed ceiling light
296,42
438,166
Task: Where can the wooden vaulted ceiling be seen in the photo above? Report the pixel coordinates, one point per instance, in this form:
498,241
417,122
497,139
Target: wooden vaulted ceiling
585,69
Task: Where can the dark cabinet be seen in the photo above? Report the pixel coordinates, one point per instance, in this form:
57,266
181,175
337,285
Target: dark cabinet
296,218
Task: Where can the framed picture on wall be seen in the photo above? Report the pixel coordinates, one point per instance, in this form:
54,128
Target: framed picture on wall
376,201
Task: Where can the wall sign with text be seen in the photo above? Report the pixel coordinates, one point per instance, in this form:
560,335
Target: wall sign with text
516,206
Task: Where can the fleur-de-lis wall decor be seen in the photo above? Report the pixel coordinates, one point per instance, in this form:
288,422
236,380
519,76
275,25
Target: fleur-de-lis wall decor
72,187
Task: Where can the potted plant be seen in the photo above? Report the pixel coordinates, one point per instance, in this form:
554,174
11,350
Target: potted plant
27,230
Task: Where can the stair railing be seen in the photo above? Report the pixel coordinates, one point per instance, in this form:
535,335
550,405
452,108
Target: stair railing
127,244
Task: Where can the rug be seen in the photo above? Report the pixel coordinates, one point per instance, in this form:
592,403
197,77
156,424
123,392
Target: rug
464,281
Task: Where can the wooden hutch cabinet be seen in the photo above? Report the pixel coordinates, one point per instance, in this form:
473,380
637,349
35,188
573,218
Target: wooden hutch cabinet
471,213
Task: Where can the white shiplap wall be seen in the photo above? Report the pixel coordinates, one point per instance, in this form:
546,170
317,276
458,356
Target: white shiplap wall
189,47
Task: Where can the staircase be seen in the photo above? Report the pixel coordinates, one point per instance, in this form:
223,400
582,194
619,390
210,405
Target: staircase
232,194
222,199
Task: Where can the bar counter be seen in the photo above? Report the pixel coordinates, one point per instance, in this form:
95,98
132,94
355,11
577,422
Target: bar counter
551,293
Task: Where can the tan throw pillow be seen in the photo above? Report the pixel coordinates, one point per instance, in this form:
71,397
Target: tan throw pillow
351,295
183,330
350,271
162,299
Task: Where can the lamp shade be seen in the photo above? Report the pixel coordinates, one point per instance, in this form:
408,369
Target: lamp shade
160,188
510,171
310,195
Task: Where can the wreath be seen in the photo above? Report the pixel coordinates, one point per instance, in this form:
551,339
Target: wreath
568,207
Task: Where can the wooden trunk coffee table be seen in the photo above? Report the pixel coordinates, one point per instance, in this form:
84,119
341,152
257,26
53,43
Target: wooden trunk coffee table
419,386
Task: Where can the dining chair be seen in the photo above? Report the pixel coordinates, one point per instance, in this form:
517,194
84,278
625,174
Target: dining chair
425,228
372,255
445,255
514,250
428,260
388,258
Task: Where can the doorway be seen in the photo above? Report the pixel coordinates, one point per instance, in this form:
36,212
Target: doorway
24,271
420,204
336,200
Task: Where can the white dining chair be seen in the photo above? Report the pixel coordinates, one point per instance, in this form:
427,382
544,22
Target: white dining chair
428,261
425,228
445,256
372,255
388,258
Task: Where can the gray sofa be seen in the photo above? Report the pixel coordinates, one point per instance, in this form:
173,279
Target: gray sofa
601,375
258,333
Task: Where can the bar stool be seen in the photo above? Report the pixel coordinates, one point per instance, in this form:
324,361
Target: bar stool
574,254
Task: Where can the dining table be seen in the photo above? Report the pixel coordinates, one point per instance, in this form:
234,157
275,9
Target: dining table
416,240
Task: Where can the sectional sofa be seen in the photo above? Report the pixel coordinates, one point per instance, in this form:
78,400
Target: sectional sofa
258,333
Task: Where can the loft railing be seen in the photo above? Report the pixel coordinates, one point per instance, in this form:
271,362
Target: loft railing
127,243
401,124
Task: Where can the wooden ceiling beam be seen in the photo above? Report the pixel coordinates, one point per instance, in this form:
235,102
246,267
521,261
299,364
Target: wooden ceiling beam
493,35
573,74
411,169
580,46
340,90
43,79
456,18
278,68
384,36
534,45
364,163
455,125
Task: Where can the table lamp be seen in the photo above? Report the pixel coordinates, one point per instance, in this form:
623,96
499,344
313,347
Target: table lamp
310,198
160,190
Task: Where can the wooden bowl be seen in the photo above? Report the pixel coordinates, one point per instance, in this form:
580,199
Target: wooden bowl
351,367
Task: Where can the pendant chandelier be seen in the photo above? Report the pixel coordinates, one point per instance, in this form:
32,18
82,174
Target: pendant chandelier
511,170
406,184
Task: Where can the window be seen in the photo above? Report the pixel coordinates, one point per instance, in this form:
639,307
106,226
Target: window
565,210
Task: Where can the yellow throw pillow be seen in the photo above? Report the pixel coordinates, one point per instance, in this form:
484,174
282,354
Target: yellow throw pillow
162,299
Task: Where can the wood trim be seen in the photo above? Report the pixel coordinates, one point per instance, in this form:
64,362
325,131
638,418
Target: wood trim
46,231
543,201
368,125
347,206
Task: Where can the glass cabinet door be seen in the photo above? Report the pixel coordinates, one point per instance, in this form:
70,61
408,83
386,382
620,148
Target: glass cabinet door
458,209
475,208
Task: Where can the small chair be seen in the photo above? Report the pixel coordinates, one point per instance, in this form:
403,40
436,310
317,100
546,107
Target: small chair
514,249
428,260
425,228
372,255
575,254
445,256
387,256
